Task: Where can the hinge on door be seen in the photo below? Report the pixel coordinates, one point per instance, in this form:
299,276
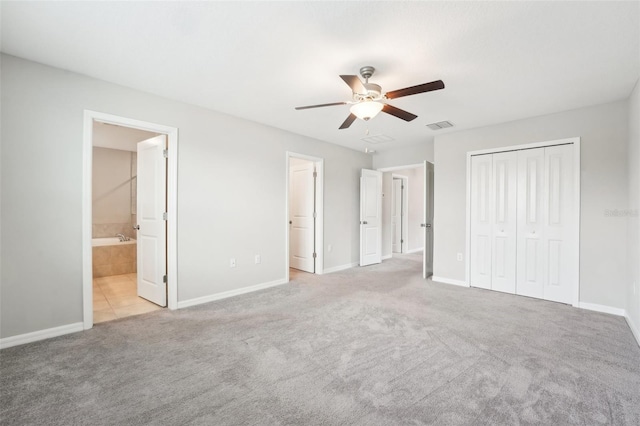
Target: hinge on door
315,215
164,278
165,153
315,255
401,241
315,174
165,216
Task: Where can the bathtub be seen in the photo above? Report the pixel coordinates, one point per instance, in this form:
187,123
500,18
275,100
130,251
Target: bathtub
113,257
110,241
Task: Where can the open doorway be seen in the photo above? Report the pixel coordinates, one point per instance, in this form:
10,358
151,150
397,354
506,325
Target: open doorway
114,238
407,213
304,214
129,212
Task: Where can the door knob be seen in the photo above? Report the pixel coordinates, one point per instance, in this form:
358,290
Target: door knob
136,227
290,222
364,222
425,225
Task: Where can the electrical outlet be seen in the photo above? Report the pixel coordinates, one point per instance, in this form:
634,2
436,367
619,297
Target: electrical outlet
329,247
459,257
232,262
258,260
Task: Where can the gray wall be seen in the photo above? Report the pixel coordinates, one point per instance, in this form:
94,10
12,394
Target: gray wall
603,130
405,156
415,234
219,217
633,234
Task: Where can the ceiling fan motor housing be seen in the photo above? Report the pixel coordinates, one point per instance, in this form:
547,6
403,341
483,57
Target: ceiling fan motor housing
374,93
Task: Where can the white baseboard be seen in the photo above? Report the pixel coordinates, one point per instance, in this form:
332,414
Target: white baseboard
414,250
388,256
340,268
34,336
634,329
230,293
449,281
601,308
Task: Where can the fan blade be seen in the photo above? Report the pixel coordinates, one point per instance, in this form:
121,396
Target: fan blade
414,90
321,105
350,119
400,113
355,83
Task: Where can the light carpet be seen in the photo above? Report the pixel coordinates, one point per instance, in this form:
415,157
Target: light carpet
366,346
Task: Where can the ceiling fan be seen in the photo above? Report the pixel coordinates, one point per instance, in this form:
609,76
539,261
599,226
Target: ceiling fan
368,99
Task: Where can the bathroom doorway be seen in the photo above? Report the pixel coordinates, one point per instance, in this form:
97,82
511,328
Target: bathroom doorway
129,197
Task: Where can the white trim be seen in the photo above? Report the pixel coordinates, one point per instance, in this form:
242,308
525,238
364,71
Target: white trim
566,141
632,326
341,267
172,205
319,231
34,336
405,211
414,250
394,168
576,216
230,293
576,206
601,308
449,281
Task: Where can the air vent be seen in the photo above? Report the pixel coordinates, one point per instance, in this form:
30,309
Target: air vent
377,139
440,125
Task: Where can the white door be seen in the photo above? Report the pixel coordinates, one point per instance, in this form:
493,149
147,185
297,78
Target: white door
396,215
301,216
370,217
152,201
504,182
559,238
531,223
481,223
427,224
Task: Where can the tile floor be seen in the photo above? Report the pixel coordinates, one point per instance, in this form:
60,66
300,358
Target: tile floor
297,273
116,297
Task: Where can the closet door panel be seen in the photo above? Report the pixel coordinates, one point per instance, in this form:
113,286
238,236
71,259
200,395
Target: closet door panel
531,223
559,238
481,221
504,189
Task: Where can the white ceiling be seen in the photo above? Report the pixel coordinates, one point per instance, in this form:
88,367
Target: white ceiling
500,61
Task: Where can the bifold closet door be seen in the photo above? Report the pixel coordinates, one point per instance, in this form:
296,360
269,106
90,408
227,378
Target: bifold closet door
560,238
531,223
546,241
481,220
504,212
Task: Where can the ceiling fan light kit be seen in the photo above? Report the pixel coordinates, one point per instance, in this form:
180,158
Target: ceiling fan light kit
368,98
366,110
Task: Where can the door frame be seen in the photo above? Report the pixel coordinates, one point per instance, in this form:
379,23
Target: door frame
172,205
319,222
575,141
404,247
